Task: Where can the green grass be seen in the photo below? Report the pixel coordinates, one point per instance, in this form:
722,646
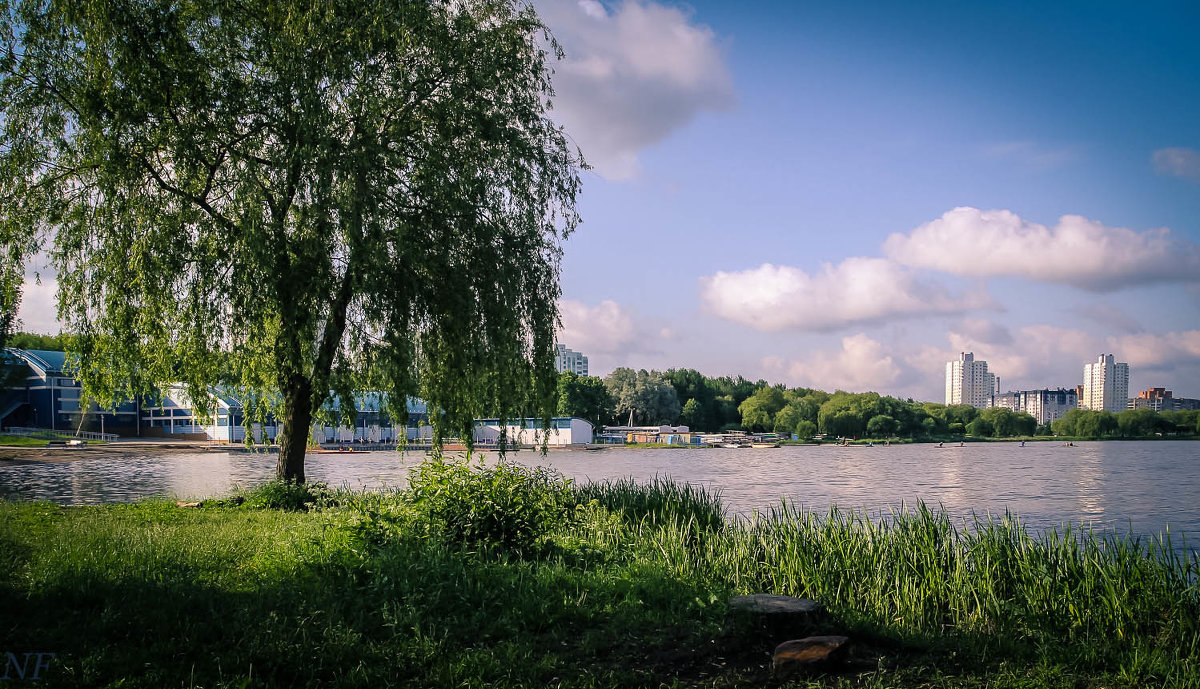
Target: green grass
614,584
7,440
22,441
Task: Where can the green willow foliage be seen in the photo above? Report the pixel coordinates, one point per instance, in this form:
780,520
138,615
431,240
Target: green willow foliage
292,198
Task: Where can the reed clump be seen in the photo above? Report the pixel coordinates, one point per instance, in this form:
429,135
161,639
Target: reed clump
510,577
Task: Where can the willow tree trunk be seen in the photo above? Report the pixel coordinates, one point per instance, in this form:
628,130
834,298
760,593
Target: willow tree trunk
297,423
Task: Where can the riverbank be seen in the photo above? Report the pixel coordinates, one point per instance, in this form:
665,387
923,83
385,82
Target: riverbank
41,452
509,577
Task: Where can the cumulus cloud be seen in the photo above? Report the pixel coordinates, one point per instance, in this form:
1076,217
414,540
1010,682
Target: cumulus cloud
38,311
1076,251
861,364
1026,358
1157,351
983,330
633,74
1030,357
1179,162
858,290
1038,356
602,329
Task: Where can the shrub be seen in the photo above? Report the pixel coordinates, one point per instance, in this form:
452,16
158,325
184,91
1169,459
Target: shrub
288,496
509,505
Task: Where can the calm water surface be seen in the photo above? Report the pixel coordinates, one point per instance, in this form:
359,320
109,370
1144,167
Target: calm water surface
1139,486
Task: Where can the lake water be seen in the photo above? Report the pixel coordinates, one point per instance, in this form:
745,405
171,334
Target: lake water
1140,486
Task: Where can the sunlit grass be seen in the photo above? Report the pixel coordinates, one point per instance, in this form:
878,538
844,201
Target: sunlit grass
621,584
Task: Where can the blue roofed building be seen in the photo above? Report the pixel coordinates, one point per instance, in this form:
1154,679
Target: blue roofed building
41,393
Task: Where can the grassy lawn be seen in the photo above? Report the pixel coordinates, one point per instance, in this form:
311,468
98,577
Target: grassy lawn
509,577
21,441
7,440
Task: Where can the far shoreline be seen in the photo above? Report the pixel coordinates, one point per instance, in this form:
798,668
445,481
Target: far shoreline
16,454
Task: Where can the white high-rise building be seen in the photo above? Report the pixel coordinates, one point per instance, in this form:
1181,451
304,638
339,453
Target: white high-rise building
1105,385
968,382
570,360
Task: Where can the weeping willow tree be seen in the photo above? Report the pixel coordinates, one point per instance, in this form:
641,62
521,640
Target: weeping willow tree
299,199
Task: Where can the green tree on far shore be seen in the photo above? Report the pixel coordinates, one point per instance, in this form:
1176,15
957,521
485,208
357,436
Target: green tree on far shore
50,343
294,199
646,395
585,397
1086,423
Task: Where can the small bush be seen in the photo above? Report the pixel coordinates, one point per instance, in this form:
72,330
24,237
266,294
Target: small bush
509,505
289,496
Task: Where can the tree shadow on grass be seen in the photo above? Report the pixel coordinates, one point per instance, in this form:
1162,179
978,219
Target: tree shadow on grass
416,612
413,613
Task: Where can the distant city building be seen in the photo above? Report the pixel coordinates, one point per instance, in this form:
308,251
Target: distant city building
1105,385
570,360
1044,405
1158,399
1161,399
968,382
1008,400
1048,405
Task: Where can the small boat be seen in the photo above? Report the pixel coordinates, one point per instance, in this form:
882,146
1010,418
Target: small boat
734,445
761,446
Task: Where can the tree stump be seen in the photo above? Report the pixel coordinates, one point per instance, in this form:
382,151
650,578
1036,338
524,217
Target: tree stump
769,617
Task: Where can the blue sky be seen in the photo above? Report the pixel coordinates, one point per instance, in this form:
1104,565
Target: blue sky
775,188
810,133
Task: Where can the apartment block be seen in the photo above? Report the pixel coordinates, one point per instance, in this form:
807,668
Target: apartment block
570,360
969,382
1105,385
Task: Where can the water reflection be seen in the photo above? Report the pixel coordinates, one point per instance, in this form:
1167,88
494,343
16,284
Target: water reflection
1139,486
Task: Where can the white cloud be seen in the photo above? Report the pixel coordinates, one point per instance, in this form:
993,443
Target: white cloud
1077,251
1180,162
1038,356
1025,358
858,290
602,329
38,312
861,364
1157,351
1035,356
984,330
633,74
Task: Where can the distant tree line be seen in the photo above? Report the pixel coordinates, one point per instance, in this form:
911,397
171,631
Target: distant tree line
1130,423
688,397
49,343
